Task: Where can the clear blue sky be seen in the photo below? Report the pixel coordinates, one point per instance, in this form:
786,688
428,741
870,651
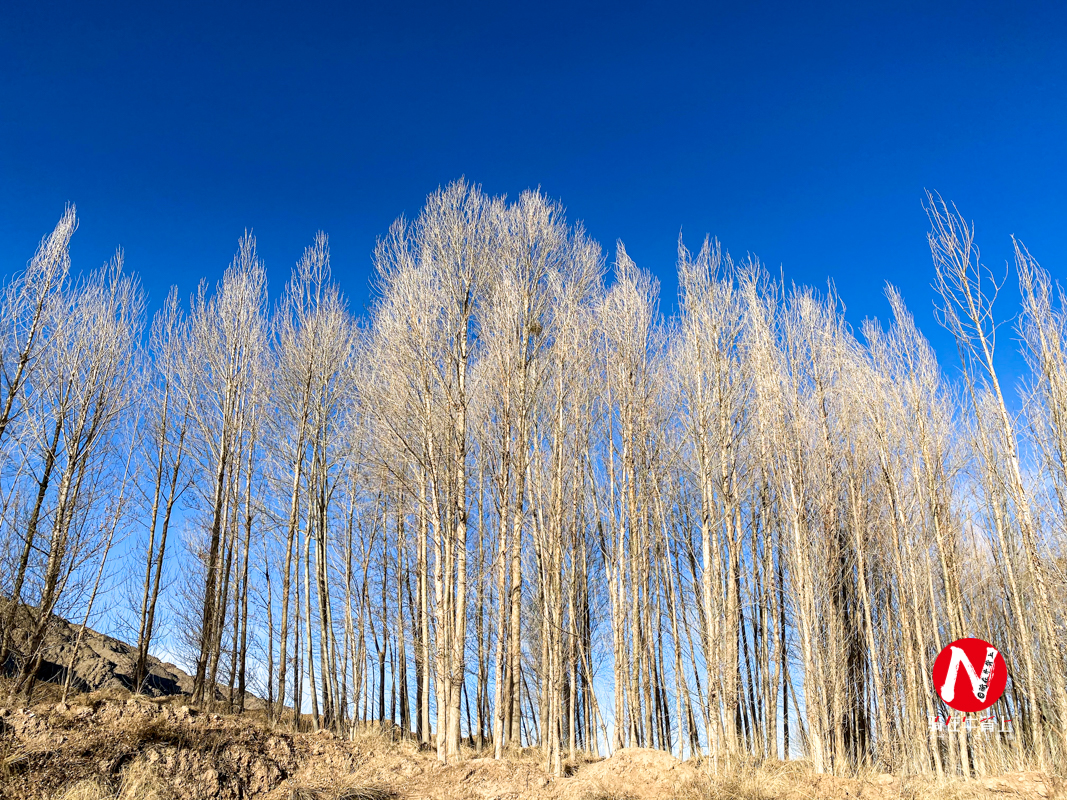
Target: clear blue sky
804,133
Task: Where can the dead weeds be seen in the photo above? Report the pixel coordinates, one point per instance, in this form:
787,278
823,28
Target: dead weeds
100,746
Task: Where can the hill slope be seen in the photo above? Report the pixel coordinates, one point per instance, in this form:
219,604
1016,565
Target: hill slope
104,745
100,663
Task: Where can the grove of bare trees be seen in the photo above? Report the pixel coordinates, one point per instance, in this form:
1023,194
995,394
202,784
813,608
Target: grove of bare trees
518,506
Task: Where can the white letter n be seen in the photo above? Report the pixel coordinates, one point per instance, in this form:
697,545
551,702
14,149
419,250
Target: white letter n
979,685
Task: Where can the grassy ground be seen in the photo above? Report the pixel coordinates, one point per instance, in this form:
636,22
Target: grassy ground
111,746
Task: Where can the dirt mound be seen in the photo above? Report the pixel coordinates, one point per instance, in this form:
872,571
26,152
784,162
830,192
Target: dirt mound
634,772
98,741
1026,783
102,663
193,755
487,779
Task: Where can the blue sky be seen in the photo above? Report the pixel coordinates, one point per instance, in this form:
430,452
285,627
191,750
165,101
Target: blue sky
804,134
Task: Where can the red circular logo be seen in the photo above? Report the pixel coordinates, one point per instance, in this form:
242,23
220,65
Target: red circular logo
969,675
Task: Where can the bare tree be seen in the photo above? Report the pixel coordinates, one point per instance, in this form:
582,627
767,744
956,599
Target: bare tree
224,342
743,531
86,384
166,423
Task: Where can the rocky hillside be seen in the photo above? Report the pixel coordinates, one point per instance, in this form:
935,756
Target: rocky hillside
102,663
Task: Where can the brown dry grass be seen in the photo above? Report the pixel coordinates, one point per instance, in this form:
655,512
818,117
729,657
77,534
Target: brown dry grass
600,793
797,780
101,746
139,781
345,793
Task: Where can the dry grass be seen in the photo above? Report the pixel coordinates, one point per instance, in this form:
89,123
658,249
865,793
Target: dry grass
733,787
101,747
372,738
367,793
139,782
372,792
88,789
797,780
600,793
748,779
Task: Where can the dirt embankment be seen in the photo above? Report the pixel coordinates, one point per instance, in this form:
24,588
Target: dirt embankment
97,747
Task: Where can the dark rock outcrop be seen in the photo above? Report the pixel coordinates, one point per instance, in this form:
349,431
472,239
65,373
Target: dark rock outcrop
101,663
